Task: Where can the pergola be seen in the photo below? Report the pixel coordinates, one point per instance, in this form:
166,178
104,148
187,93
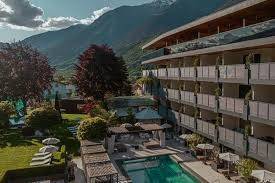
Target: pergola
92,149
96,163
113,131
104,172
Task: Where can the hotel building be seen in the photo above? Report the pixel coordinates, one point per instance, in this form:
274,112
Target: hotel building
215,76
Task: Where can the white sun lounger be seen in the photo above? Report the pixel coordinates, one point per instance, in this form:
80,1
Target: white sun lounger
41,154
42,158
41,163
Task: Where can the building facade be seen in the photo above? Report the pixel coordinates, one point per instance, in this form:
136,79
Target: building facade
216,77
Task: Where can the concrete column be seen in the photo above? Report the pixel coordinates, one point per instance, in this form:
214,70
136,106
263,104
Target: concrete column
218,29
111,144
244,22
162,138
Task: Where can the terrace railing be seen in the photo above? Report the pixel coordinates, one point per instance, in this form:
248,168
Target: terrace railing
186,96
206,128
233,73
233,138
187,121
234,105
263,73
173,94
261,149
162,73
206,72
188,72
173,72
206,100
262,110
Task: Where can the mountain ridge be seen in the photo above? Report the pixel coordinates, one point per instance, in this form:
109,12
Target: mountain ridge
122,28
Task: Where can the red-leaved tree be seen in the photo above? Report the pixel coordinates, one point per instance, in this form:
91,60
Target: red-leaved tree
99,72
25,73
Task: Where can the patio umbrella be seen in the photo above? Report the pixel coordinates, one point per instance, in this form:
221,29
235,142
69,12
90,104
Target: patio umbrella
51,141
263,175
166,125
126,125
48,148
229,157
205,147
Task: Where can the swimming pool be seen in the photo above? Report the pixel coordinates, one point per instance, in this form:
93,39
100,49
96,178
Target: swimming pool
160,169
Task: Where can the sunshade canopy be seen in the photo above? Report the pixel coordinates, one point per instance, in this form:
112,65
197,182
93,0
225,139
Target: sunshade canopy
230,157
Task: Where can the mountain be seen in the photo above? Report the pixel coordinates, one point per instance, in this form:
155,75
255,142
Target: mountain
125,29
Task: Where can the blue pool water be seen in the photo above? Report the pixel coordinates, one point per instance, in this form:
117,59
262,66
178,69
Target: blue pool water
159,169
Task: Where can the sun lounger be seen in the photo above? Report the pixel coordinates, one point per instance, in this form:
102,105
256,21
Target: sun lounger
41,154
42,158
41,163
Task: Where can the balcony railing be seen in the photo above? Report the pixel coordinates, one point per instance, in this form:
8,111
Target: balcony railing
234,105
206,128
187,72
187,121
235,139
187,96
206,72
206,100
262,110
162,73
155,54
224,37
173,94
173,72
263,72
233,72
262,149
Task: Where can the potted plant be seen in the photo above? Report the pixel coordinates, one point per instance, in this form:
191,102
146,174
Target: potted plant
245,167
249,59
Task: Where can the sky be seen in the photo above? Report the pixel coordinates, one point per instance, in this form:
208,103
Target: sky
23,18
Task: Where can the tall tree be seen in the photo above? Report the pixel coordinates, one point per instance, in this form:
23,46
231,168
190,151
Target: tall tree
25,73
99,71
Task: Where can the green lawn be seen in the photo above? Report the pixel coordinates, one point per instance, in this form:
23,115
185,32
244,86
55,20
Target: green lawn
15,151
74,117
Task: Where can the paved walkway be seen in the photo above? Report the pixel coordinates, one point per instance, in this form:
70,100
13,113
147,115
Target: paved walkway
206,172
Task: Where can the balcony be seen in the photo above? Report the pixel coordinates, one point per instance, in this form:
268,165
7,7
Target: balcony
233,74
155,54
231,139
146,73
188,73
207,73
188,98
233,106
263,73
206,129
206,101
187,122
162,73
261,150
173,116
173,95
262,112
224,37
173,73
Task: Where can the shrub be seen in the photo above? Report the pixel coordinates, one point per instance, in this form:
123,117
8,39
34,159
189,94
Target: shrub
42,118
245,167
27,131
109,117
92,128
6,110
194,140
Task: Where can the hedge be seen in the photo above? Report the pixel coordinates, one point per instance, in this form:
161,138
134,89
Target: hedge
33,172
24,173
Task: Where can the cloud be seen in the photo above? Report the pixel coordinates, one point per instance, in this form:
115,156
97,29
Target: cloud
63,22
22,14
